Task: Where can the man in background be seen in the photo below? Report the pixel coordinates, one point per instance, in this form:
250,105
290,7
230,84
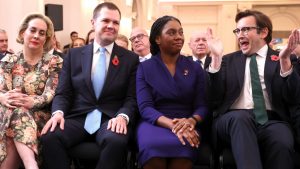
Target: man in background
199,47
4,44
73,36
140,43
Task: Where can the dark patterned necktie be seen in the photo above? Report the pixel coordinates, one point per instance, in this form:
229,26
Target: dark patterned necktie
258,98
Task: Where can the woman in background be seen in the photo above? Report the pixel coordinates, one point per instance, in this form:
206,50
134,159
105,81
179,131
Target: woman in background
78,42
28,81
90,37
170,96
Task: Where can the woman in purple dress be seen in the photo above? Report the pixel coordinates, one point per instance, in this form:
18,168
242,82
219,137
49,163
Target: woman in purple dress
170,95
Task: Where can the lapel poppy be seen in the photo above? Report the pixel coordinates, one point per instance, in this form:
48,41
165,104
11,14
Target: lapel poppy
115,60
274,58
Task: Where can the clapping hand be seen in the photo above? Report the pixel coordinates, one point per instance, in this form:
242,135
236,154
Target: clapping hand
284,55
294,40
216,49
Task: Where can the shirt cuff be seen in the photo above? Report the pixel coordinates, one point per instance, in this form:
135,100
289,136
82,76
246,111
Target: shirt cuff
285,74
212,70
124,116
57,111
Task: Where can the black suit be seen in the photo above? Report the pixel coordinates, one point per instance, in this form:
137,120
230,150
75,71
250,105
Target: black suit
3,54
248,140
75,97
206,124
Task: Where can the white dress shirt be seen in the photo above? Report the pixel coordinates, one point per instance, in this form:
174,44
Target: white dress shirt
143,58
245,100
202,60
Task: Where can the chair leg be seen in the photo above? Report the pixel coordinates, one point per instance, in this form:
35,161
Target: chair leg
221,161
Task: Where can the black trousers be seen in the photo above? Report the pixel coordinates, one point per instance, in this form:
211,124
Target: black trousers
255,146
55,145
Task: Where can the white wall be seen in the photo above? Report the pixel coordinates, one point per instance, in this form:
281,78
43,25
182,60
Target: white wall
76,17
11,14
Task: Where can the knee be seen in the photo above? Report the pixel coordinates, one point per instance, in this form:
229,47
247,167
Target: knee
49,138
117,141
241,117
284,143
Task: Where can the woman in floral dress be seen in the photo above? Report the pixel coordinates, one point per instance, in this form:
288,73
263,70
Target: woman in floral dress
28,81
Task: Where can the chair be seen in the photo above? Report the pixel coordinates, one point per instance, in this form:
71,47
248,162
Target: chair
226,160
206,157
85,156
206,154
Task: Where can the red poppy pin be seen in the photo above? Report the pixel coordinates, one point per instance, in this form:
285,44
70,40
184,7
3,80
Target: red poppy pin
115,60
274,58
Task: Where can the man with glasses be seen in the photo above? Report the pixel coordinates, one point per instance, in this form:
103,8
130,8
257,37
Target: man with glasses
254,89
140,43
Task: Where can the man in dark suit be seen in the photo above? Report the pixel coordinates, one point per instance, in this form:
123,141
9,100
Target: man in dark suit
73,36
53,48
199,47
76,97
258,132
4,44
140,43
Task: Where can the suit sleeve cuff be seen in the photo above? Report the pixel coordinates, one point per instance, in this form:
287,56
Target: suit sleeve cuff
285,74
212,70
125,117
57,111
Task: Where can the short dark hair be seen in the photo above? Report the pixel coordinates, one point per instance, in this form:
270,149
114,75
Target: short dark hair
156,29
73,32
262,21
108,5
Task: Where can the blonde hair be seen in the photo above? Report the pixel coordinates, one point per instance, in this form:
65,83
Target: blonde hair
24,25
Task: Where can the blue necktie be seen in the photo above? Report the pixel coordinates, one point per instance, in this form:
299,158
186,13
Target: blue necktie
258,98
93,119
200,62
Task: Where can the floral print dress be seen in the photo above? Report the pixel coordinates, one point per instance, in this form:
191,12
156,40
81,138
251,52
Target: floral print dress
38,81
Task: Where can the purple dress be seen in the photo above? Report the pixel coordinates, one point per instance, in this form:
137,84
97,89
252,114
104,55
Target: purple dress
160,94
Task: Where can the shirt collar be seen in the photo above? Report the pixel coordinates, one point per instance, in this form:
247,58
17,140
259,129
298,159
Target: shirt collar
263,51
202,60
108,48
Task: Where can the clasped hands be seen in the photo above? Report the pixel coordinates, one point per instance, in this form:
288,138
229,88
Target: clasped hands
184,129
15,98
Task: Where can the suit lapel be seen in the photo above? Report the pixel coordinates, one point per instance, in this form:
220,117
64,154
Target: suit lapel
113,69
207,62
240,63
86,61
270,68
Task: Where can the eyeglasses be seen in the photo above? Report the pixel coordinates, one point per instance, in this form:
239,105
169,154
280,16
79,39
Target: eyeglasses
244,30
138,37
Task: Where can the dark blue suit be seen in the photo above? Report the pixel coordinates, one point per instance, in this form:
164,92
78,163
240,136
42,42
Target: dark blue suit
75,97
273,140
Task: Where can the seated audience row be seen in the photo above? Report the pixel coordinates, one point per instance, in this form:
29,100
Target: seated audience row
101,87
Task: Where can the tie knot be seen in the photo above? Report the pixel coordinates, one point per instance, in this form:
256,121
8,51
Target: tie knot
252,55
102,50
